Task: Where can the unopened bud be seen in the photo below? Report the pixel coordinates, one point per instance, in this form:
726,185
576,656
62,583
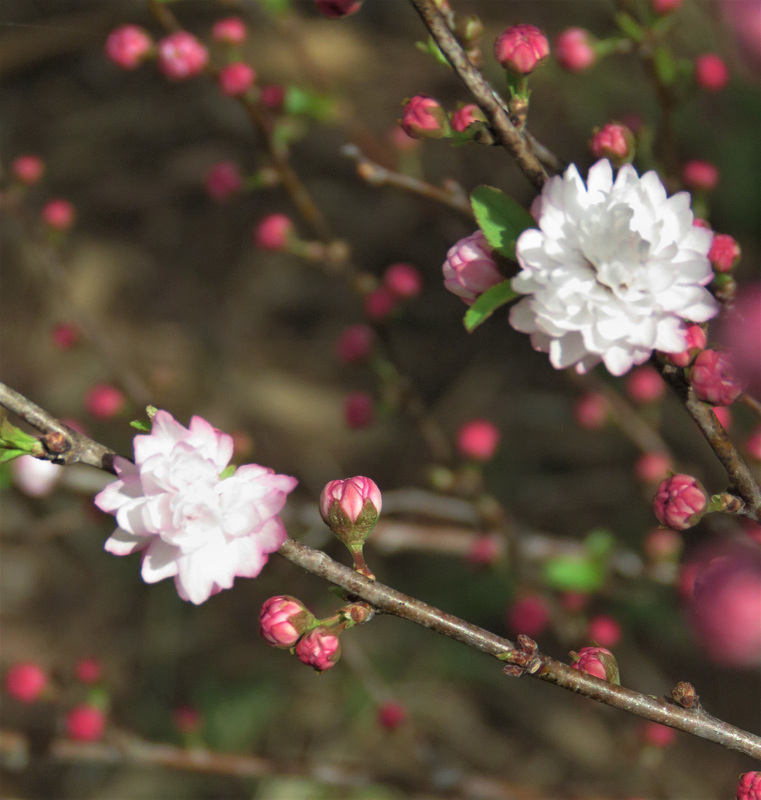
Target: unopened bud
470,268
597,661
521,49
574,50
725,253
615,142
181,56
680,502
696,342
711,72
350,508
320,648
283,620
712,377
424,118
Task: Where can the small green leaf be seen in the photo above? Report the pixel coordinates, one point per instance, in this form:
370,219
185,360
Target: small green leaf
308,103
9,455
599,542
630,27
665,67
573,574
14,438
227,472
487,304
141,425
432,49
501,219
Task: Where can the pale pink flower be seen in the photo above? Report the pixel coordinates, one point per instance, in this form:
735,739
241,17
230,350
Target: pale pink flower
191,526
35,477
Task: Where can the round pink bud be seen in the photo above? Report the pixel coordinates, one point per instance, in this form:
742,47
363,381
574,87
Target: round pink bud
58,214
753,444
711,72
696,342
467,115
104,401
231,30
680,502
359,410
273,96
335,9
320,649
403,280
725,253
236,79
391,715
35,477
470,268
713,379
574,50
187,720
749,787
529,614
26,682
223,180
379,304
613,141
85,723
644,385
424,118
478,439
88,671
350,508
664,7
724,415
592,411
65,335
700,176
521,49
657,735
28,169
273,232
128,46
604,630
652,467
485,550
355,344
181,56
599,662
282,620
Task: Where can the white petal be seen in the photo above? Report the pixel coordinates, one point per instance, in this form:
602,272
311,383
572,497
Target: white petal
121,543
159,561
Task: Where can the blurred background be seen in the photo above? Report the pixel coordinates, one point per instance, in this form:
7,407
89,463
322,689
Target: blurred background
176,306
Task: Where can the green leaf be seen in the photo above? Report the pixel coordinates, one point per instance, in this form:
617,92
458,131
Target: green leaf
141,425
665,66
487,304
10,455
14,438
501,219
574,574
630,27
599,542
432,49
307,103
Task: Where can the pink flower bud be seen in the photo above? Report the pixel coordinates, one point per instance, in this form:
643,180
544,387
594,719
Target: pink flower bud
104,401
273,232
273,97
335,9
478,439
424,118
521,49
529,614
187,720
749,787
597,661
85,723
350,508
744,22
236,79
58,214
470,268
652,467
664,7
223,180
725,253
680,502
65,335
696,342
753,444
128,46
379,304
700,176
604,630
467,115
712,378
320,649
283,619
724,415
359,410
742,332
181,56
355,344
403,280
231,30
574,50
485,550
26,682
592,411
644,385
391,715
613,141
88,671
28,169
711,72
657,735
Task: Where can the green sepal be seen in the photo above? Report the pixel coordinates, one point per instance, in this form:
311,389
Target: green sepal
487,303
430,48
501,218
141,424
227,472
664,64
10,455
15,440
630,27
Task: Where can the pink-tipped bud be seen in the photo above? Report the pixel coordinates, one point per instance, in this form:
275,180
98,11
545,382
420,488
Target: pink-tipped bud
470,268
28,169
700,176
187,720
223,180
680,502
613,141
104,401
58,214
359,410
592,411
605,630
231,30
350,508
379,304
529,614
273,232
664,7
469,114
355,344
85,723
711,72
391,715
653,467
236,79
26,682
656,735
696,342
753,444
181,56
485,550
424,118
273,96
597,661
574,50
335,9
35,477
725,253
749,786
320,649
128,46
644,385
712,377
478,440
403,280
88,671
520,49
283,619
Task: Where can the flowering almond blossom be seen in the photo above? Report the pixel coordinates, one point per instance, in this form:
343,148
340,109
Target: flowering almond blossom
191,525
615,271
